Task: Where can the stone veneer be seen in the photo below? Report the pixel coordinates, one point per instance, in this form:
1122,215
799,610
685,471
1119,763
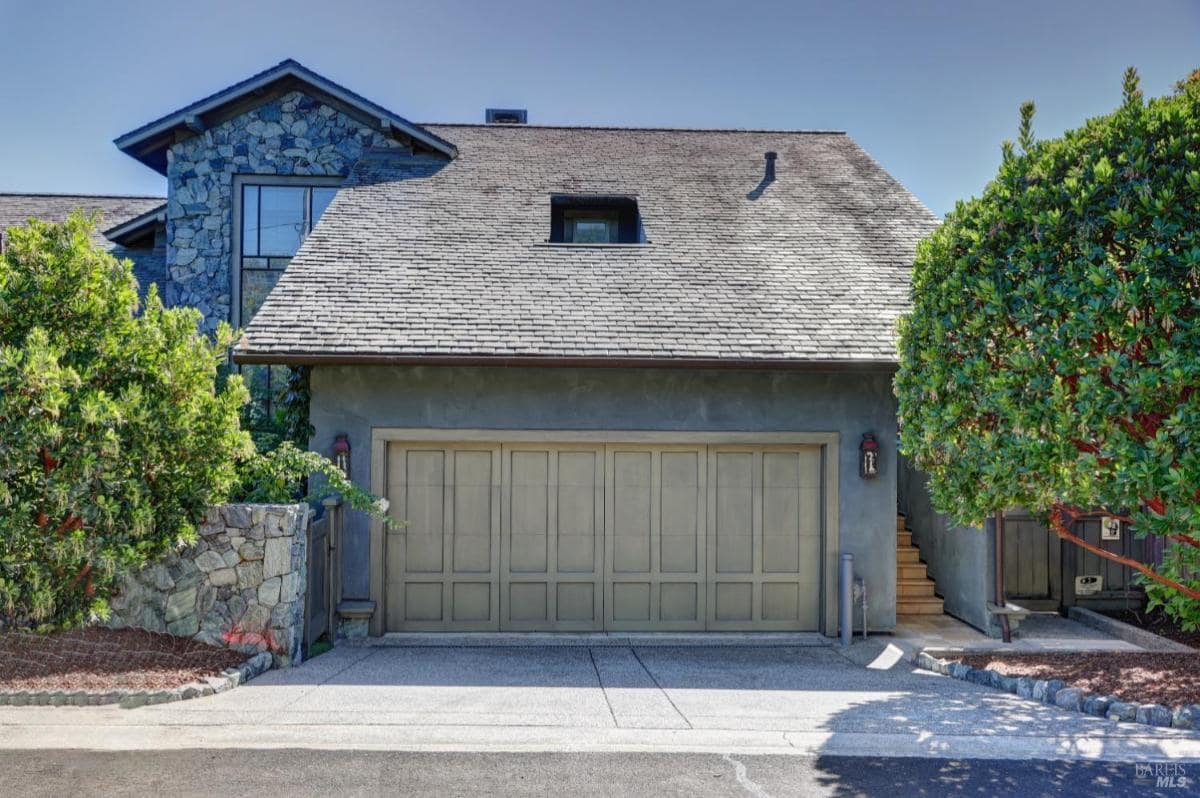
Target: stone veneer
240,586
291,135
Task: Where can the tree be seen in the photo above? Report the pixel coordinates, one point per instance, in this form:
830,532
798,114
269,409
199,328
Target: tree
114,434
1052,357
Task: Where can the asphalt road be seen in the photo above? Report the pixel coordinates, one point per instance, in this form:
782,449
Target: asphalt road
352,773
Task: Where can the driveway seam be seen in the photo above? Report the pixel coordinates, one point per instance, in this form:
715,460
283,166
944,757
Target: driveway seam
603,689
331,676
654,679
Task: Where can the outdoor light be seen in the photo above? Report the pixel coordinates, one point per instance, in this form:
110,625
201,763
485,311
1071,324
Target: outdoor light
868,457
341,454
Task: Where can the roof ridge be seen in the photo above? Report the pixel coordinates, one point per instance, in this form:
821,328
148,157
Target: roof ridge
653,129
81,194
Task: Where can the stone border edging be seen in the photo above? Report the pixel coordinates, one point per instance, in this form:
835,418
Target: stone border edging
1056,693
129,699
1128,632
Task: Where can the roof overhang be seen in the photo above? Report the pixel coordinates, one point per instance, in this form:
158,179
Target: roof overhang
149,143
241,355
139,228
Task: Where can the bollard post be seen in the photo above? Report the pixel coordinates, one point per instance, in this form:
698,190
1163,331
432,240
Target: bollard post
846,599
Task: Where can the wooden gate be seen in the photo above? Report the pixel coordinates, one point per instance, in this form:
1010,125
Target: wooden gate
320,597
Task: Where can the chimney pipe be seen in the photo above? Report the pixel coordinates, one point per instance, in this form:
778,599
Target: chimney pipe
770,167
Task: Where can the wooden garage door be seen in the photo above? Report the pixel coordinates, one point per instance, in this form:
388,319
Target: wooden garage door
583,537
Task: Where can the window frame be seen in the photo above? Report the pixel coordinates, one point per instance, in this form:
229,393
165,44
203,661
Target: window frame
239,184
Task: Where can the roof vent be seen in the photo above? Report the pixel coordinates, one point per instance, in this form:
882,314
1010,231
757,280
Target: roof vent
505,116
770,173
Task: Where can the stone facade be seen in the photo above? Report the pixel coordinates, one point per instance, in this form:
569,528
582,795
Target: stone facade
291,135
241,585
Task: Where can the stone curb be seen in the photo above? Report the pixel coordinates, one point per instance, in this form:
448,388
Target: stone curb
1055,693
129,699
1127,632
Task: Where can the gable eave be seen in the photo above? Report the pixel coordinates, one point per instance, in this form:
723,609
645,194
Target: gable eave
149,142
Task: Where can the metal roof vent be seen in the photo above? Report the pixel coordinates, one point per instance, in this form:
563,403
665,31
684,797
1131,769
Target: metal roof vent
506,116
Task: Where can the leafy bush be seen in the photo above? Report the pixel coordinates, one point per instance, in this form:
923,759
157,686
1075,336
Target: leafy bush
113,436
118,428
1052,357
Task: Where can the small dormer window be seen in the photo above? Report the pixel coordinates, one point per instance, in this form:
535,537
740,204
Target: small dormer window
595,220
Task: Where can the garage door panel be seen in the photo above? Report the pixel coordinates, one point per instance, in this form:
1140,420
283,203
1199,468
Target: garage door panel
552,520
447,495
766,538
655,551
631,494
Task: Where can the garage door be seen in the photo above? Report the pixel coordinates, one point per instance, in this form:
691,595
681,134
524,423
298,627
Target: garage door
624,537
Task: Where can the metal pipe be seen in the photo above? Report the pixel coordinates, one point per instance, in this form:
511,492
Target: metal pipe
846,599
1000,601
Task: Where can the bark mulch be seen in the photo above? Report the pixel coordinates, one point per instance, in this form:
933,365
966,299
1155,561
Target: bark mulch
107,659
1156,621
1132,676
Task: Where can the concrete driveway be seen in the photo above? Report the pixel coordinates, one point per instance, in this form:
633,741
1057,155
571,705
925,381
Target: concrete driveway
754,700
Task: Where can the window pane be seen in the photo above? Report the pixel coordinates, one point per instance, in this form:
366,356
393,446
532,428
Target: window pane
249,220
255,287
256,379
591,231
282,214
321,197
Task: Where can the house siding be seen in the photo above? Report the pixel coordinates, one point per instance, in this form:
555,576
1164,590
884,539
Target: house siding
291,135
354,399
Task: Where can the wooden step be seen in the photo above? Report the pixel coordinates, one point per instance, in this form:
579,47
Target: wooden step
911,571
904,539
900,527
915,588
907,555
919,606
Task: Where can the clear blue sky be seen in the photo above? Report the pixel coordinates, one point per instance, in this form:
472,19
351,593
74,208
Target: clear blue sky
929,88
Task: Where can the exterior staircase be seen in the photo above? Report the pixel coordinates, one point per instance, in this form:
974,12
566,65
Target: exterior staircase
914,588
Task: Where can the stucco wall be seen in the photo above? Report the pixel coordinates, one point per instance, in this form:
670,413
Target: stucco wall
353,399
960,559
291,135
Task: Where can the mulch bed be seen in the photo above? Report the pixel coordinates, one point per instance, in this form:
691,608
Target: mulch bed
107,659
1156,621
1131,676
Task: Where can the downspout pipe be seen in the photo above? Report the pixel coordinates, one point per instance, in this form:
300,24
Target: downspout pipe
1000,601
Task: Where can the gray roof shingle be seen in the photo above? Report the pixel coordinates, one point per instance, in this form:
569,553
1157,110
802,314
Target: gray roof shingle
148,265
419,257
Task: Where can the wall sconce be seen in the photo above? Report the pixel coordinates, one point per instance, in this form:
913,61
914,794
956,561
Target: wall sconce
341,454
868,457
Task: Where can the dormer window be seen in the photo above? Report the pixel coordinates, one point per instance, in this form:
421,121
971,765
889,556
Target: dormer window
595,220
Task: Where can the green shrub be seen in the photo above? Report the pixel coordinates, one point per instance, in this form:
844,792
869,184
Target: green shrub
113,435
1052,357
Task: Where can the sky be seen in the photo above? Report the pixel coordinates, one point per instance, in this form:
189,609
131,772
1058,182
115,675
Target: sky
930,89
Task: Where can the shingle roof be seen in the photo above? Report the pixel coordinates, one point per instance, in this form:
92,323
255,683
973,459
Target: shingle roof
17,209
419,257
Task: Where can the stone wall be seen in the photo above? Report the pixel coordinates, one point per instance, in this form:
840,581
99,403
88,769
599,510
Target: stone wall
241,585
291,135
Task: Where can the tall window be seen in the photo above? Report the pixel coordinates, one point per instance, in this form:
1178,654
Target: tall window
276,218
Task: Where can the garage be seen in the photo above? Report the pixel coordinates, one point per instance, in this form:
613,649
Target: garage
592,532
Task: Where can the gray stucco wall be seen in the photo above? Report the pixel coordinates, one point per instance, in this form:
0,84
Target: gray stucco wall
960,559
353,399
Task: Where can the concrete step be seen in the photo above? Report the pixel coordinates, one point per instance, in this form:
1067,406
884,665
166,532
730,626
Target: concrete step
914,588
907,555
904,539
918,606
911,571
